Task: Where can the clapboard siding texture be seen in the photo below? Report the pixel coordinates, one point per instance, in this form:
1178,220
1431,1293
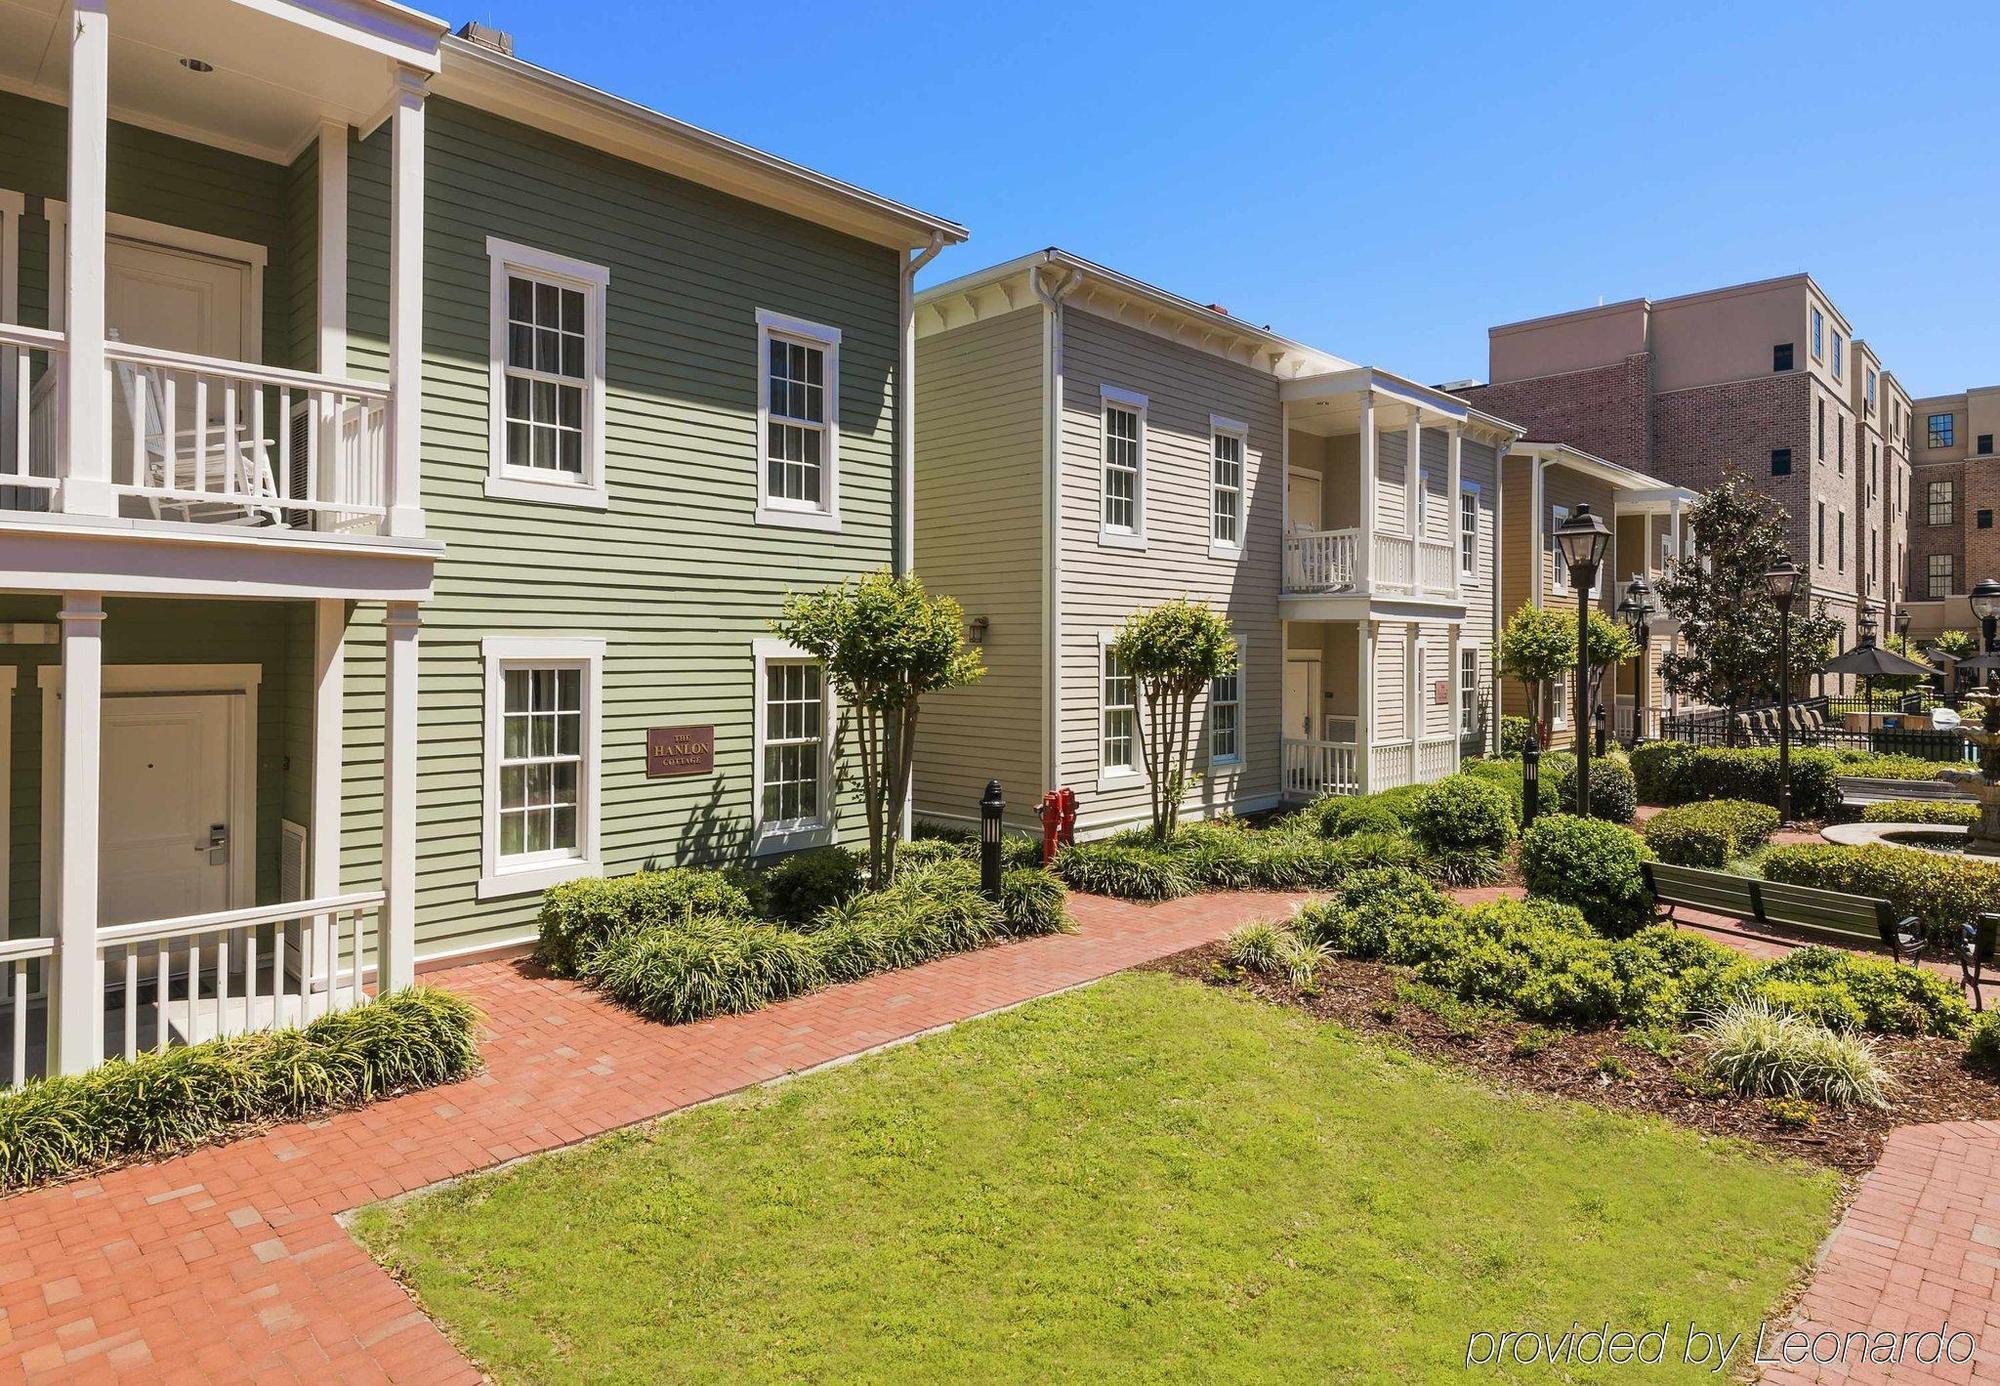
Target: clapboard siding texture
981,537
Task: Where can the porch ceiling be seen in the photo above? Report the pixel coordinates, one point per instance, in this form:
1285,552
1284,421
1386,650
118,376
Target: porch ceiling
278,69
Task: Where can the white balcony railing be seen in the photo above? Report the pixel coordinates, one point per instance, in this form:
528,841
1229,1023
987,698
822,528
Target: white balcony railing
32,367
1436,758
1395,562
181,981
226,442
1437,571
1315,768
1321,560
24,1038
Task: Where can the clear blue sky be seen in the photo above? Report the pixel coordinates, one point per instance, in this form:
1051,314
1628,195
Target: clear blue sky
1382,185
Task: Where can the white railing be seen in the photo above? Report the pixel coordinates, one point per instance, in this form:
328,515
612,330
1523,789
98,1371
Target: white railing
1437,566
181,981
1391,765
1321,560
32,367
24,1037
1395,562
1436,758
226,442
1315,768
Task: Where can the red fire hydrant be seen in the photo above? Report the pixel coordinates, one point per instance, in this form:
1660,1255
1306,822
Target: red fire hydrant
1058,812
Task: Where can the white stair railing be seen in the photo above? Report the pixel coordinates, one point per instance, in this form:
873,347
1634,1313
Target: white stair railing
25,977
1321,560
264,968
1316,768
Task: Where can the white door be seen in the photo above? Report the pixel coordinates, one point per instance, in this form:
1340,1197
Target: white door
1301,698
166,838
175,300
1302,501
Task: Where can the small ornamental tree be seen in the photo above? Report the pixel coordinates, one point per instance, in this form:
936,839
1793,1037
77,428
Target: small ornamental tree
884,642
1538,645
1728,655
1172,654
1954,645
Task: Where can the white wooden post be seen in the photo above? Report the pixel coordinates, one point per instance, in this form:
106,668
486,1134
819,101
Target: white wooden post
1454,475
1365,560
1364,721
1454,678
78,1031
332,305
86,487
399,799
406,307
329,672
1413,482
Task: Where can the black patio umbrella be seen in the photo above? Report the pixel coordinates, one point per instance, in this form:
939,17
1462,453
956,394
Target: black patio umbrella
1870,662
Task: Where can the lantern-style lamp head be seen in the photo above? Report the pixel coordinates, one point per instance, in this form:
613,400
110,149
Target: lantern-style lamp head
1637,608
1781,582
1986,599
1903,623
1867,626
1583,539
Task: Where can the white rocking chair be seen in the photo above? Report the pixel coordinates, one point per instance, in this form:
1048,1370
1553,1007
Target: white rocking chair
202,463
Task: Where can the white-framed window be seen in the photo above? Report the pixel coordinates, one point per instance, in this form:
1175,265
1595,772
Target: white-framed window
1122,516
544,698
1559,575
798,423
1117,714
1468,690
1559,694
1940,503
1818,334
1225,716
792,766
545,401
1228,445
1468,529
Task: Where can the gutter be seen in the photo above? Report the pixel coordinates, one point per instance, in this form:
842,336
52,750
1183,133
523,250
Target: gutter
1052,404
906,439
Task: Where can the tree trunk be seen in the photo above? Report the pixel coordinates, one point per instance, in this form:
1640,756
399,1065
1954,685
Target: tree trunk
1176,791
904,766
871,790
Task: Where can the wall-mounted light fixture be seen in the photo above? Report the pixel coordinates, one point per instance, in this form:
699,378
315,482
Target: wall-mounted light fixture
976,633
197,65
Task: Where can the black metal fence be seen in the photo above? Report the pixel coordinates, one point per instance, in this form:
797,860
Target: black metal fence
1818,722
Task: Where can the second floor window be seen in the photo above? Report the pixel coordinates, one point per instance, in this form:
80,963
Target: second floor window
1468,690
1818,332
1781,356
1939,576
1559,575
546,433
799,396
1226,460
1124,465
1468,531
1820,511
1943,430
1840,541
1985,445
1840,441
1839,347
1939,509
1781,461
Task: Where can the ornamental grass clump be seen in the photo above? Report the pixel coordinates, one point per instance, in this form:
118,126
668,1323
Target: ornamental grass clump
579,917
1764,1052
1258,946
1126,870
707,967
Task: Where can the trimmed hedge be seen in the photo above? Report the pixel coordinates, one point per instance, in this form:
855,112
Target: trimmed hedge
1226,855
1673,772
1464,813
1514,732
803,885
1983,1046
579,917
1344,815
1591,864
1932,811
1614,795
1854,992
1944,892
1709,834
161,1102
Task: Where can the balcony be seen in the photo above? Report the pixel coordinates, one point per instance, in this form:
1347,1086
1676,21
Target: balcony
1327,563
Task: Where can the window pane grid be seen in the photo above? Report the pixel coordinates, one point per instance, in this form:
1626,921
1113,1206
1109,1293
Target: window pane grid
1225,717
545,376
795,434
1228,478
1468,532
1468,691
541,759
1121,468
794,741
1121,715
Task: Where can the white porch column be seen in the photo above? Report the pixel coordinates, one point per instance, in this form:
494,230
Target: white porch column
1454,478
86,487
1454,678
399,798
332,283
1413,484
406,307
1365,560
77,1034
329,672
1364,716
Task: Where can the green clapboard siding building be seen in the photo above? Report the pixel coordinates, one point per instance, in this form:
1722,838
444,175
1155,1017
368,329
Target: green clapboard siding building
400,475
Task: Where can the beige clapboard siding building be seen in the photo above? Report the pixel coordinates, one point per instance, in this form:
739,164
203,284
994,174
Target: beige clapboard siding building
1089,446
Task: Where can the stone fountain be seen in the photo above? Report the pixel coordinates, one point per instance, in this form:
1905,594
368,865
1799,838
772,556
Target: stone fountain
1985,781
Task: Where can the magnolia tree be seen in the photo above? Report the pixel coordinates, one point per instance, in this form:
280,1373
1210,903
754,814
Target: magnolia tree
884,643
1538,646
1172,653
1728,647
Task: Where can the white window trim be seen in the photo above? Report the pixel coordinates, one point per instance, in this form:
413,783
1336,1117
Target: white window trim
1242,726
1134,538
777,510
504,482
498,653
790,836
1559,697
1466,488
1558,574
1467,690
1219,426
1109,777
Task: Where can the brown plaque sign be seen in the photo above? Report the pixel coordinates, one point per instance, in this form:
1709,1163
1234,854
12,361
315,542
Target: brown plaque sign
679,751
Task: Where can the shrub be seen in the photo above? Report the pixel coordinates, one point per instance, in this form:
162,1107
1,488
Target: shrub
1016,849
929,851
1709,834
1216,856
1763,1052
1462,813
805,884
1937,811
1590,864
1461,869
579,917
1983,1045
1613,795
167,1101
1387,811
1892,767
1943,892
1888,997
1258,946
921,915
684,972
1668,773
1126,870
1033,901
1514,735
1370,907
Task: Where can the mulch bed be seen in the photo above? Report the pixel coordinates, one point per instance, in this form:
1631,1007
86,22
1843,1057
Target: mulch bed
1934,1082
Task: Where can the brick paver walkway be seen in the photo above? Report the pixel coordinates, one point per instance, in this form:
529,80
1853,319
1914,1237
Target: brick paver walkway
229,1263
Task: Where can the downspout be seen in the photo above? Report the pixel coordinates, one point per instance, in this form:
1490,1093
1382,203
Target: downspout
906,441
1500,452
1052,405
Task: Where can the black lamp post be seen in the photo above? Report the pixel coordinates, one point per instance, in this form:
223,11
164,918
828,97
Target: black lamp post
1986,606
1637,609
1531,759
1583,540
990,809
1782,583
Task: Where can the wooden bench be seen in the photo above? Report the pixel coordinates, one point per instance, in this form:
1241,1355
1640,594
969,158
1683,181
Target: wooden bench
1862,789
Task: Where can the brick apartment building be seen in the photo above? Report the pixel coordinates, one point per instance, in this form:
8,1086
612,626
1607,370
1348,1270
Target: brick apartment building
1767,377
1955,493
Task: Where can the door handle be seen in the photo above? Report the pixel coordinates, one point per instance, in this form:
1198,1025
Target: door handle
217,845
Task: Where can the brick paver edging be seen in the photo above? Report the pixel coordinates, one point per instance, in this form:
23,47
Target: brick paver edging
230,1263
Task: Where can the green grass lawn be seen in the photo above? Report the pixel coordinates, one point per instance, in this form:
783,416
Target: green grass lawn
1147,1179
